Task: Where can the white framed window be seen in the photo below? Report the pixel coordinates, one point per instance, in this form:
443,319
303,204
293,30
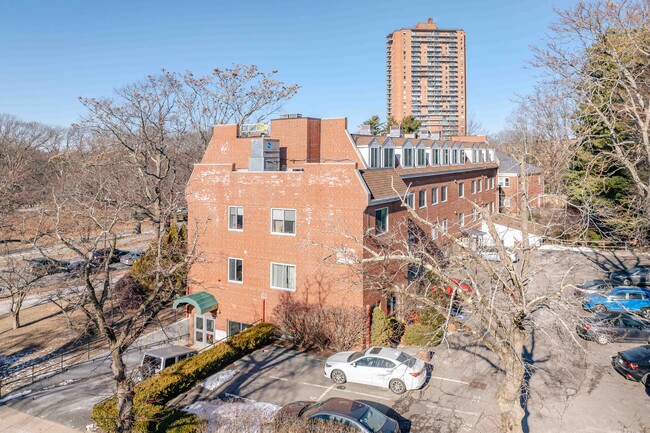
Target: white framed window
479,185
445,156
443,194
283,221
473,187
473,214
235,270
504,181
283,276
375,157
434,233
422,198
389,157
443,226
408,157
436,157
409,199
461,219
236,218
463,156
422,157
506,202
434,196
381,220
461,189
454,156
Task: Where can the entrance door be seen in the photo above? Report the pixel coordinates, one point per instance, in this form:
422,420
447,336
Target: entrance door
203,331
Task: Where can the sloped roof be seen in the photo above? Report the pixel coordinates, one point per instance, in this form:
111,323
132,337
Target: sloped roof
383,183
508,164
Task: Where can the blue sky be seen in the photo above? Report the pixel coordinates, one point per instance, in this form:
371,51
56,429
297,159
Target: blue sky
53,52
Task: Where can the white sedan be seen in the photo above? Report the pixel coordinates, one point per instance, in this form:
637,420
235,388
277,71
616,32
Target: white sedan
491,254
380,366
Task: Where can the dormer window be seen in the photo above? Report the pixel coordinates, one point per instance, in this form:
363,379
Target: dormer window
445,156
375,157
389,157
408,157
435,160
463,156
454,156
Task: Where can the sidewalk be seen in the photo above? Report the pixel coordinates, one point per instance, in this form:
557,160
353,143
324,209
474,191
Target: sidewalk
14,421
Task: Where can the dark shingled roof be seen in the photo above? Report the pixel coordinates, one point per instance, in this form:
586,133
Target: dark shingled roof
508,164
383,183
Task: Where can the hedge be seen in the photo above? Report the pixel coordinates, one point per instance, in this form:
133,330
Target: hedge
152,394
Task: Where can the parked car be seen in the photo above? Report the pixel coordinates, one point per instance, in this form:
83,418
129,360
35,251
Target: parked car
104,253
155,360
606,327
459,285
595,286
380,366
491,254
634,364
47,266
77,268
639,275
627,299
356,416
131,257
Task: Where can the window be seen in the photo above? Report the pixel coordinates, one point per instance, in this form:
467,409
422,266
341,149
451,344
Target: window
461,219
504,181
381,220
283,276
480,185
474,156
491,207
443,226
283,221
443,194
422,197
436,157
422,157
408,157
473,214
463,156
235,218
445,156
235,270
434,233
375,157
236,327
454,156
434,196
461,189
409,199
389,157
473,187
506,202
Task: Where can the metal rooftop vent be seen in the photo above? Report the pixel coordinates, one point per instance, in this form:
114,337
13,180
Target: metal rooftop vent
290,116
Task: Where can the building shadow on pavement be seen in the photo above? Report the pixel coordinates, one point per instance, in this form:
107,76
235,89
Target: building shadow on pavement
613,261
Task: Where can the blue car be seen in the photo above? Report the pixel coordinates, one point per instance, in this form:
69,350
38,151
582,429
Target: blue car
627,299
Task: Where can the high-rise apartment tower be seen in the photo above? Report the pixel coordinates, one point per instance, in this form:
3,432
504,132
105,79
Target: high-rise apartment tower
425,69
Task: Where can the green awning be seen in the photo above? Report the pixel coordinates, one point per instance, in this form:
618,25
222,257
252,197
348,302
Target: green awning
201,301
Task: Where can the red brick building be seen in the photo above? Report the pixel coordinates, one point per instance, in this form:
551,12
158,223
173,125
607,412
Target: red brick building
511,184
283,213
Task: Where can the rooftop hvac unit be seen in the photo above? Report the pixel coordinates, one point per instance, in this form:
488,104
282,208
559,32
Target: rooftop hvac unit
395,131
265,155
365,130
290,116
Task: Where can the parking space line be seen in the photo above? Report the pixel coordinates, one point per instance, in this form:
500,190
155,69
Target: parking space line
328,388
432,406
449,380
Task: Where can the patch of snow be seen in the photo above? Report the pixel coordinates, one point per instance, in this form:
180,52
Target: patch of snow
16,395
563,248
240,415
216,380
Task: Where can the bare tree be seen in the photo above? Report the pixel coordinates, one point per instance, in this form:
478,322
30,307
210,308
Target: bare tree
17,281
474,126
597,57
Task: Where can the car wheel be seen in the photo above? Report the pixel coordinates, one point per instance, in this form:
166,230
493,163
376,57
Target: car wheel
397,386
646,380
627,281
645,312
602,339
600,308
338,377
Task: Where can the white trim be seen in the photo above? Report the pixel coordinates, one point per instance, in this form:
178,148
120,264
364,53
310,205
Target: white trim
242,270
243,215
423,203
295,223
446,193
271,276
387,213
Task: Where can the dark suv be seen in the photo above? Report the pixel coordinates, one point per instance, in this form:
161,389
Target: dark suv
47,266
639,275
634,364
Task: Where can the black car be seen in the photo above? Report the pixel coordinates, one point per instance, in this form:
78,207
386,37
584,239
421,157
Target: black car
47,266
100,255
634,364
595,286
639,275
350,414
605,327
77,268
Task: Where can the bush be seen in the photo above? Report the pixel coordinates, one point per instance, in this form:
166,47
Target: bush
129,293
319,326
382,330
422,335
152,394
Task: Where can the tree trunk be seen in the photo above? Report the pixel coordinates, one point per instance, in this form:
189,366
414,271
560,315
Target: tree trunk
125,392
509,394
16,317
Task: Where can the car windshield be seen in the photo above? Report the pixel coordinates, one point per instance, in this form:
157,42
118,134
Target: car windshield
355,356
152,361
373,419
408,360
593,283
